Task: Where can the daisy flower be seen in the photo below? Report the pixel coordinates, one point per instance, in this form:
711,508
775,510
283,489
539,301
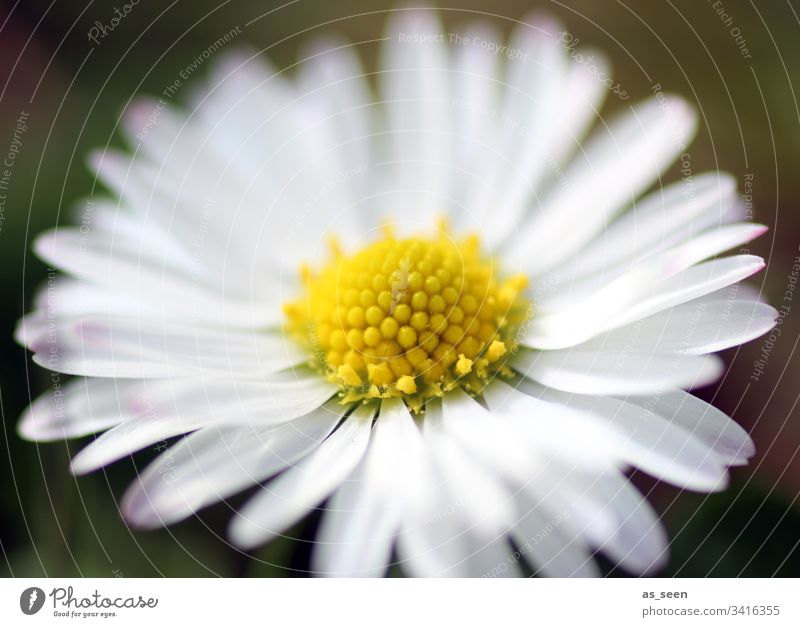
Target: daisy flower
429,297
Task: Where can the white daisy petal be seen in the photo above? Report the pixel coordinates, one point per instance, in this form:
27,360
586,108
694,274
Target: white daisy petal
445,531
414,86
476,91
179,148
80,408
475,86
657,266
181,210
733,293
484,502
166,138
552,549
177,296
437,538
663,265
360,525
584,93
133,348
637,541
540,475
704,421
76,252
294,493
182,176
695,328
635,295
248,87
645,440
633,151
493,559
278,176
698,280
590,509
495,442
621,372
663,218
109,228
535,86
335,78
219,461
64,298
156,410
444,548
552,428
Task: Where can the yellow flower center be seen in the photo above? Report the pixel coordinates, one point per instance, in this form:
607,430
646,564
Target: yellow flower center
412,318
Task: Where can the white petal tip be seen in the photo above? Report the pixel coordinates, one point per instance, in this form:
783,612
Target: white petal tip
232,62
37,424
758,264
246,534
713,483
599,62
87,461
95,160
134,120
25,330
138,510
28,428
544,22
680,116
756,230
44,246
416,18
81,466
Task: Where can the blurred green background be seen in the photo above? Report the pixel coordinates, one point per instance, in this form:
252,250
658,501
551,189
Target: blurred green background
74,90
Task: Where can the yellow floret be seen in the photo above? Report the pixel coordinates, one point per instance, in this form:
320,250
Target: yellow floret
348,375
463,365
406,384
380,374
495,351
412,317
